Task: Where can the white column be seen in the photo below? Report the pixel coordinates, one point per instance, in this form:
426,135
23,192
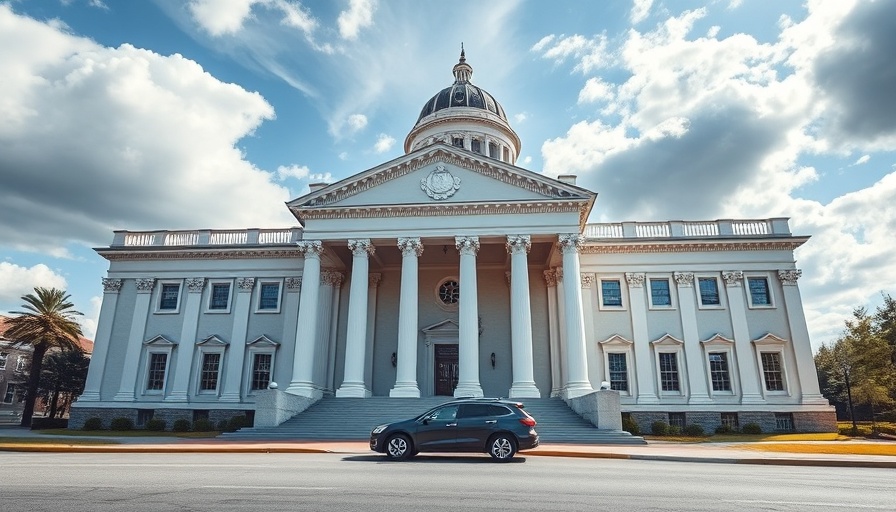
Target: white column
697,372
592,352
324,313
338,278
562,351
129,375
356,334
91,393
644,362
373,285
521,319
747,367
408,319
802,347
302,383
186,345
468,328
233,376
550,279
576,359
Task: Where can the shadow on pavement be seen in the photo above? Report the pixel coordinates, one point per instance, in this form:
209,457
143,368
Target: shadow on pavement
433,459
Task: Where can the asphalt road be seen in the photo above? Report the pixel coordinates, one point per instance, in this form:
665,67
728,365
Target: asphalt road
63,482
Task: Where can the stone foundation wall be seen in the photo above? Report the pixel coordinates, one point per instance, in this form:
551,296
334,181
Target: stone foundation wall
709,421
646,419
825,421
815,421
79,415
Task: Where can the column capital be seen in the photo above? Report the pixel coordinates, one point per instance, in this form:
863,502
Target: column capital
587,279
195,284
373,279
518,244
550,278
507,277
733,277
144,285
311,248
111,285
635,280
571,242
410,246
558,274
684,279
362,247
467,244
245,284
788,277
332,278
293,284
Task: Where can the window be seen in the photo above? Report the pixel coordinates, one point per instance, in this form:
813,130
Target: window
155,378
449,292
784,421
168,296
261,371
618,372
200,414
659,293
771,370
144,415
729,419
669,371
208,379
760,295
493,150
677,420
3,356
269,297
21,361
718,371
610,293
10,395
709,291
457,142
506,157
482,410
219,297
476,146
445,413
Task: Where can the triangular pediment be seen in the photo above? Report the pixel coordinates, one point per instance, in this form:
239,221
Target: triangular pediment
443,326
441,180
160,341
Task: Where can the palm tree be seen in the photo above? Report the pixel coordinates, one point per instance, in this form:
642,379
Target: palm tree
48,322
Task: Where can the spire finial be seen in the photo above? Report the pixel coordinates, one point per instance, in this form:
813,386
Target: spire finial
463,58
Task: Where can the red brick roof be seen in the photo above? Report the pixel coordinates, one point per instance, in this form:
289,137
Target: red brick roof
86,344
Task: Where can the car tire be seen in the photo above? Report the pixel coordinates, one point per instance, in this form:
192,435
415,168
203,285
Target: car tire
398,447
502,447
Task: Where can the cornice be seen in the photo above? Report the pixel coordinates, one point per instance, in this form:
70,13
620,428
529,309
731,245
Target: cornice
214,254
695,246
445,209
498,123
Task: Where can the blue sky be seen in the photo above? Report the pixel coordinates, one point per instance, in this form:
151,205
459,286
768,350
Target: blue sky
142,115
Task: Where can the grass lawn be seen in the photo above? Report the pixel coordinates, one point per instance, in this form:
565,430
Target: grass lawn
49,440
127,433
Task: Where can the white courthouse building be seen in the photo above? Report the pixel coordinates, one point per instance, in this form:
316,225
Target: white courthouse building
451,271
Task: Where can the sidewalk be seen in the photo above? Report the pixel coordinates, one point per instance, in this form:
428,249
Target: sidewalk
725,453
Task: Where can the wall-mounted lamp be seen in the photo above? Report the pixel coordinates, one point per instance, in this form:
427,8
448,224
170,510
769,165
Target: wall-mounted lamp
493,359
394,359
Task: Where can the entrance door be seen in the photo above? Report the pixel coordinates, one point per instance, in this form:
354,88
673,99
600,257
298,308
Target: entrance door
446,368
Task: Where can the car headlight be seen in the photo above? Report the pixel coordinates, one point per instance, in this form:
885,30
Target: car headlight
378,429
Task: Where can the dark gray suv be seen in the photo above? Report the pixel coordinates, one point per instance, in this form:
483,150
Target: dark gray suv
486,425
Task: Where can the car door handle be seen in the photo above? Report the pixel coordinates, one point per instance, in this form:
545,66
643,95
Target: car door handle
451,425
490,421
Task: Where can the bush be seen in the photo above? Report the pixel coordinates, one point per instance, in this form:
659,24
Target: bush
238,422
725,429
93,424
203,425
181,425
751,428
693,430
44,423
121,424
222,425
156,425
659,428
631,426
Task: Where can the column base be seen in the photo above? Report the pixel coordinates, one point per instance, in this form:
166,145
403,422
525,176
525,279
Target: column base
123,397
89,396
353,390
469,390
524,390
814,400
179,397
576,389
752,399
409,390
229,397
700,400
305,389
648,399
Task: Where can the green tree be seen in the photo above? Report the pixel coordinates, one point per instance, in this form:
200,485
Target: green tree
63,378
47,322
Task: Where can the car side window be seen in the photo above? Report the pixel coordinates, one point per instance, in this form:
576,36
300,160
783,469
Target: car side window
445,413
481,410
497,410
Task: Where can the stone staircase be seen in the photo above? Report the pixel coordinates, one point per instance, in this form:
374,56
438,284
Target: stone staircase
353,418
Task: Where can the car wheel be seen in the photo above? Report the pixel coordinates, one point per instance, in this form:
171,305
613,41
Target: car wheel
502,447
398,447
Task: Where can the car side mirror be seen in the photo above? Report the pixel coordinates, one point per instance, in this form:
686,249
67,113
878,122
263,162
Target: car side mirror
426,421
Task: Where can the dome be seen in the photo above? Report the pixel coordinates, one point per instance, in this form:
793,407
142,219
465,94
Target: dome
462,93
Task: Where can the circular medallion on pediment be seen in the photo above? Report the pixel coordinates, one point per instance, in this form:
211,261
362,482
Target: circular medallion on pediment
440,184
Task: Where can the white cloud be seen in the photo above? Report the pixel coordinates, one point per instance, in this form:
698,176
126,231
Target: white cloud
16,281
640,11
358,16
343,155
383,143
521,117
159,127
220,17
293,171
596,90
356,122
862,160
590,53
527,160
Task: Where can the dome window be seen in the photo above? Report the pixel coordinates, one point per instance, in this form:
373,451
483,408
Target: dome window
476,148
493,150
457,142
